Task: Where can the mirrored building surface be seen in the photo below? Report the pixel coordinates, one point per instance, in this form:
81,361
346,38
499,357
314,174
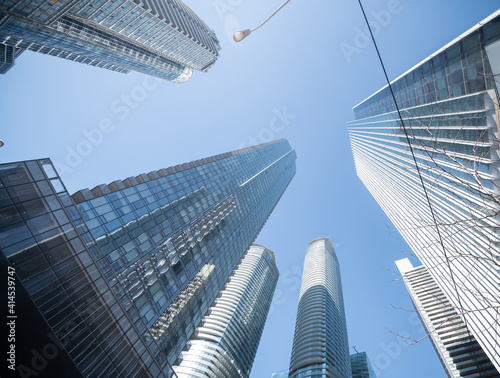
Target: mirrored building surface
436,173
122,274
163,38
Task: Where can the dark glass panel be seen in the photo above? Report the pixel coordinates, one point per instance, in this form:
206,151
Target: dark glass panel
61,217
14,234
77,282
15,248
14,174
33,208
92,359
471,41
54,304
9,216
40,281
53,202
41,224
4,198
57,254
50,239
35,170
438,65
23,193
29,263
491,31
45,188
476,85
75,336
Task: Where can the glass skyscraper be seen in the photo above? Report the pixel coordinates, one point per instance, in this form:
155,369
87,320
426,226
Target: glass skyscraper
225,344
449,103
162,38
457,348
320,345
361,366
117,278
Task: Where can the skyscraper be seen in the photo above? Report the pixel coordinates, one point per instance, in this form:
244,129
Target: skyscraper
116,278
320,345
226,342
163,38
442,193
457,348
361,366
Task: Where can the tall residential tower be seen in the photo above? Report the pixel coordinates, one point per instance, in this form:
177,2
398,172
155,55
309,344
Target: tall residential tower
116,279
436,174
320,345
163,38
225,344
457,348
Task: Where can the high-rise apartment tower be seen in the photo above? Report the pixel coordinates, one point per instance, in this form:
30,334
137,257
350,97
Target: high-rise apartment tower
436,174
225,344
458,350
163,38
320,345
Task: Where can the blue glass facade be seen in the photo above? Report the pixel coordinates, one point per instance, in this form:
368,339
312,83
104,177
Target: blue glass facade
168,244
67,318
227,339
449,105
320,344
155,248
361,366
462,68
160,38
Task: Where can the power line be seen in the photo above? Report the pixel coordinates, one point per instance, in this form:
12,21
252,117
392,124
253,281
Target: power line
417,167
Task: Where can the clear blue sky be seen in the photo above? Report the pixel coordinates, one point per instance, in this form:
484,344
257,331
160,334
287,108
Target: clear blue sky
298,77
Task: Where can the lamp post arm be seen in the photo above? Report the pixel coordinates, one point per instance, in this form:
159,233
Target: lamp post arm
242,34
276,11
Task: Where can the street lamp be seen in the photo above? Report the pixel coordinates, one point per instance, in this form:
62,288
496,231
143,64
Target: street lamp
240,35
1,143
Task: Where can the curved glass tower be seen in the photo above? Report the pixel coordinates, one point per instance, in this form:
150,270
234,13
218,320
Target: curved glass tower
226,343
320,346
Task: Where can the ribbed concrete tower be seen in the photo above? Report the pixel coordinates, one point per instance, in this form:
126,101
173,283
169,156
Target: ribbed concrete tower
226,343
457,348
320,345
